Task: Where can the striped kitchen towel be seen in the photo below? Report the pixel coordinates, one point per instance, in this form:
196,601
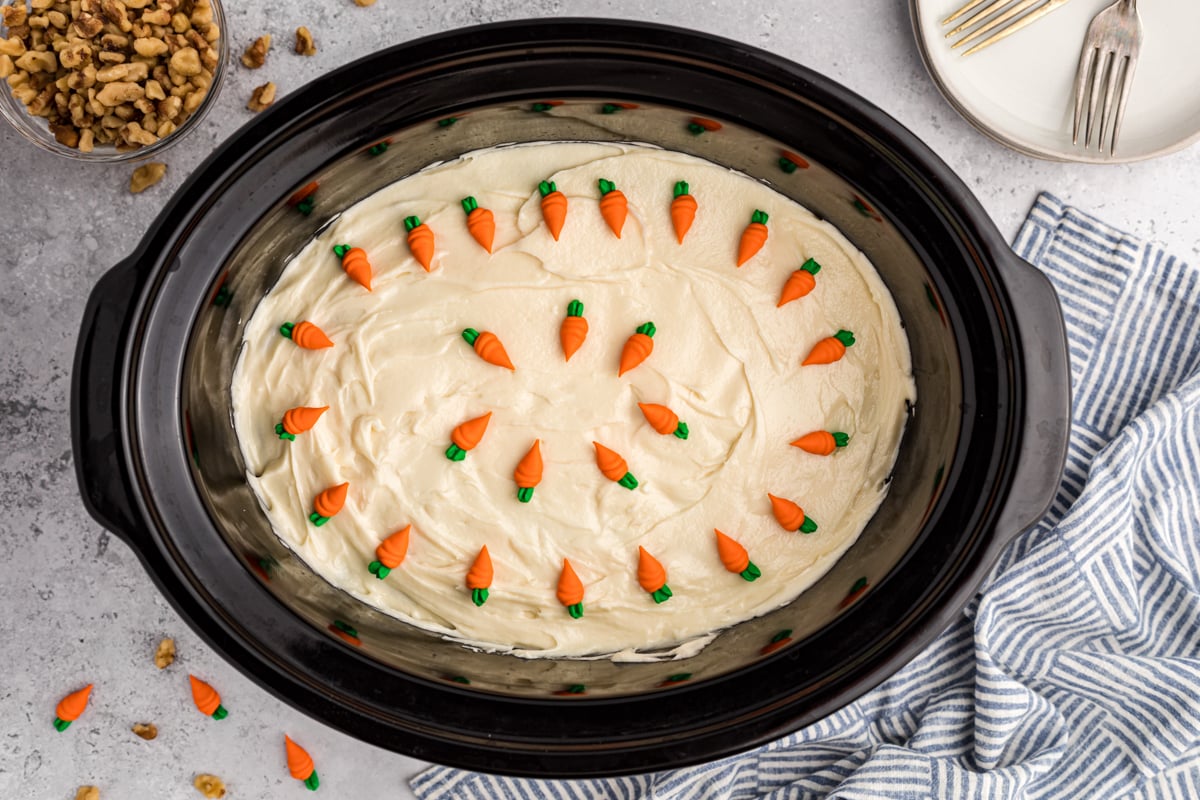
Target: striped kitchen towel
1075,673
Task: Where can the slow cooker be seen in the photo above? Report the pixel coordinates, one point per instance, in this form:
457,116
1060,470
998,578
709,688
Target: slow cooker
159,464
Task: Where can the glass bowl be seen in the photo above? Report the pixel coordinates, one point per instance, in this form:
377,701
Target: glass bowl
37,130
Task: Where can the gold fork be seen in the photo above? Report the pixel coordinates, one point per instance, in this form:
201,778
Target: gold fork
1001,18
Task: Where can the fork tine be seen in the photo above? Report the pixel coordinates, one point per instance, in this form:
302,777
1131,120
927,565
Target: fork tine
1028,19
1110,91
995,22
961,11
1126,80
979,16
1103,66
1083,77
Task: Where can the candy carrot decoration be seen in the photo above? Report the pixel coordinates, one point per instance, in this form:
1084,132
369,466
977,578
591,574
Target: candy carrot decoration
683,210
479,577
574,329
570,590
735,558
466,436
753,238
298,420
829,349
488,347
638,347
70,707
206,699
420,241
801,282
354,261
614,206
300,764
652,577
821,443
481,223
614,467
554,207
390,553
306,335
328,503
528,473
790,516
663,420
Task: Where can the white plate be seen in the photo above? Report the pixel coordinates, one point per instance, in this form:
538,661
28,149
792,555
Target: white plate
1019,91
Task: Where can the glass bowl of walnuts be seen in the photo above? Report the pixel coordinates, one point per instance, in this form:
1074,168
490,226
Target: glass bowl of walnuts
109,80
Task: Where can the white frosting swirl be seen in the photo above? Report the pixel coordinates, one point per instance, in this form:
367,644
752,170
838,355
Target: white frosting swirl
725,359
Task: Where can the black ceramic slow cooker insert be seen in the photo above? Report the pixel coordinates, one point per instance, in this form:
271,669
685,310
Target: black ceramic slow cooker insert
159,465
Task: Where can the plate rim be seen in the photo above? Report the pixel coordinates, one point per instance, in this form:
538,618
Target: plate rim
995,134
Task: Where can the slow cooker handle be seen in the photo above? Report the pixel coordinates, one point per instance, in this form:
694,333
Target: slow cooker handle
95,398
1047,418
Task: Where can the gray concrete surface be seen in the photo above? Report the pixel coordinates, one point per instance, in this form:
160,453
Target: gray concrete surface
75,605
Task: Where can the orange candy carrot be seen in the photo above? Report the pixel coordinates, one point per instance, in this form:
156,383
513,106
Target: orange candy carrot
481,223
614,467
554,207
698,125
70,707
790,516
298,420
683,210
466,436
614,206
574,329
652,576
735,558
355,263
420,241
306,335
390,553
300,764
303,200
479,577
570,590
328,503
753,237
206,699
821,443
528,473
488,347
663,420
638,347
800,283
829,349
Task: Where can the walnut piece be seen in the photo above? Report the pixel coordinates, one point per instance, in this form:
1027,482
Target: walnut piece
210,786
142,179
87,793
256,54
304,42
164,656
146,730
262,97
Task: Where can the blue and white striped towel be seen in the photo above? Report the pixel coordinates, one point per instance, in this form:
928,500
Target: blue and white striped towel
1075,673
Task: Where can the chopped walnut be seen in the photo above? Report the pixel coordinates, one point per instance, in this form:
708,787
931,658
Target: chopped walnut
87,793
142,179
56,53
304,42
262,98
256,54
164,656
210,786
146,730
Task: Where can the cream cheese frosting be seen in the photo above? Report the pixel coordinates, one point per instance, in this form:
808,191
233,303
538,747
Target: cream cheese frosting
400,377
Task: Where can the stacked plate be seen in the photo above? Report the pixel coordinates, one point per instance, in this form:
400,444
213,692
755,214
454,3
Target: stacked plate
1019,91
